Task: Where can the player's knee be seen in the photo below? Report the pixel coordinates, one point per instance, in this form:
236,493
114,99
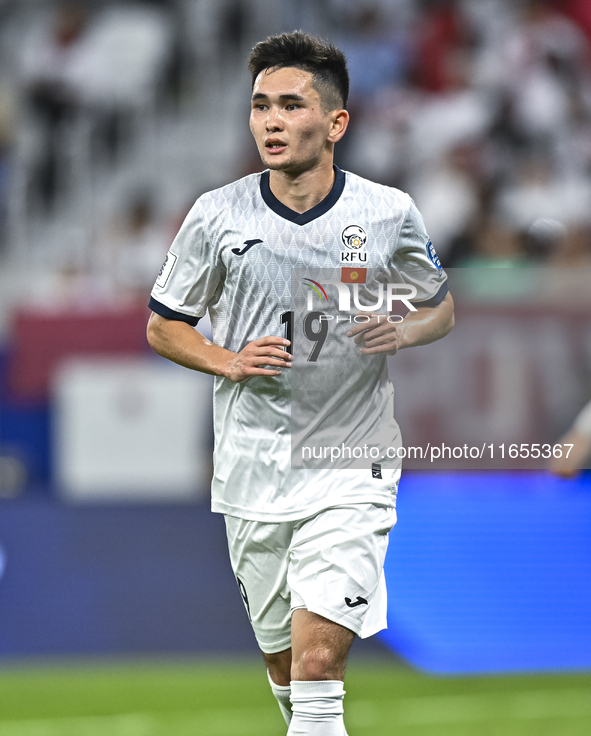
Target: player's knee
318,663
279,667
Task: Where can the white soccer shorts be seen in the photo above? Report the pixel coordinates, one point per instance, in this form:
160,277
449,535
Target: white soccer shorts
330,563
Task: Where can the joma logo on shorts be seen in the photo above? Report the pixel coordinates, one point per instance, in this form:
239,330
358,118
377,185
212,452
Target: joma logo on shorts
353,604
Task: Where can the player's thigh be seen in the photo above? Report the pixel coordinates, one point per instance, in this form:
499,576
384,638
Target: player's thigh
336,565
259,557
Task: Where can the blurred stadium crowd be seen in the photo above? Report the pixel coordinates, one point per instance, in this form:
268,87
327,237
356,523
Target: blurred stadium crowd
114,116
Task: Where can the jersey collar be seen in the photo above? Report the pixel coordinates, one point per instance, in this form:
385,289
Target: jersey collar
304,217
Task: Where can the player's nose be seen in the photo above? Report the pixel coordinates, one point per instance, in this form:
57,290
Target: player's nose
274,120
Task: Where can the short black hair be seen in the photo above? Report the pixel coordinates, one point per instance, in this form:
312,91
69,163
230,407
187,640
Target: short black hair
325,62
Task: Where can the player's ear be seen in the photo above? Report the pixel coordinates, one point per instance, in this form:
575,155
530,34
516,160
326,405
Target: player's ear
340,121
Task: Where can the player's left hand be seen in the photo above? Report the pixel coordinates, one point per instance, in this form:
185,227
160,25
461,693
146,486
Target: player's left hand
377,335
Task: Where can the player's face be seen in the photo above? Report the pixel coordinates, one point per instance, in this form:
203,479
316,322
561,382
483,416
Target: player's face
291,130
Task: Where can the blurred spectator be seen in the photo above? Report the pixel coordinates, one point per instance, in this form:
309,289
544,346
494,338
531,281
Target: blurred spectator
128,47
134,250
440,33
460,114
496,246
7,114
446,194
377,145
376,53
377,59
217,31
548,54
85,75
540,192
52,60
233,26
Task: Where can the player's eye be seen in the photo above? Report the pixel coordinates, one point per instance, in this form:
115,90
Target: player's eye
292,106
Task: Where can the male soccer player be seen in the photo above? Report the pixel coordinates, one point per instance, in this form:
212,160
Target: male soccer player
307,545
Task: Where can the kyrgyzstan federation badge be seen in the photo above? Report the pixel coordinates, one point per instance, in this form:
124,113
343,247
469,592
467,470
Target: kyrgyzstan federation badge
354,238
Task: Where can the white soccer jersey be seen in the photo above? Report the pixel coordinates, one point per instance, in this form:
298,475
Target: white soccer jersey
241,254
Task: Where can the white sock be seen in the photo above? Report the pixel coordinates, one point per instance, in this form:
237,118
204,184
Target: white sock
282,693
317,708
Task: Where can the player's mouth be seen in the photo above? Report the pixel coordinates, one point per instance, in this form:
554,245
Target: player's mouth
275,146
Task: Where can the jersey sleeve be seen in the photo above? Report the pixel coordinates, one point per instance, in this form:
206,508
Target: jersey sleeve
192,275
416,261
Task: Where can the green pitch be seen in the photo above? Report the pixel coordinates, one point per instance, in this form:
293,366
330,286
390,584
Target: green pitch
233,699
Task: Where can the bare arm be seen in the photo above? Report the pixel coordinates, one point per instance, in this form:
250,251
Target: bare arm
426,325
182,344
571,466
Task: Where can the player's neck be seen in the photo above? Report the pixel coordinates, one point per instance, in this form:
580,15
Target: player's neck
300,192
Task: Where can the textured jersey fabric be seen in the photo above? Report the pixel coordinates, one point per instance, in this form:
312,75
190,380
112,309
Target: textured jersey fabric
238,255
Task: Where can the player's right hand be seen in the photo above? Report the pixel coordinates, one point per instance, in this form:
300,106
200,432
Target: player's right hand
267,351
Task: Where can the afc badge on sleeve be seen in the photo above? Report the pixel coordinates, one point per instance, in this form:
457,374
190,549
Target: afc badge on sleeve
166,270
433,257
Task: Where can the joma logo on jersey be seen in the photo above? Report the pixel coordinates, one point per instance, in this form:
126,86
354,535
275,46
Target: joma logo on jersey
248,244
354,239
392,293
